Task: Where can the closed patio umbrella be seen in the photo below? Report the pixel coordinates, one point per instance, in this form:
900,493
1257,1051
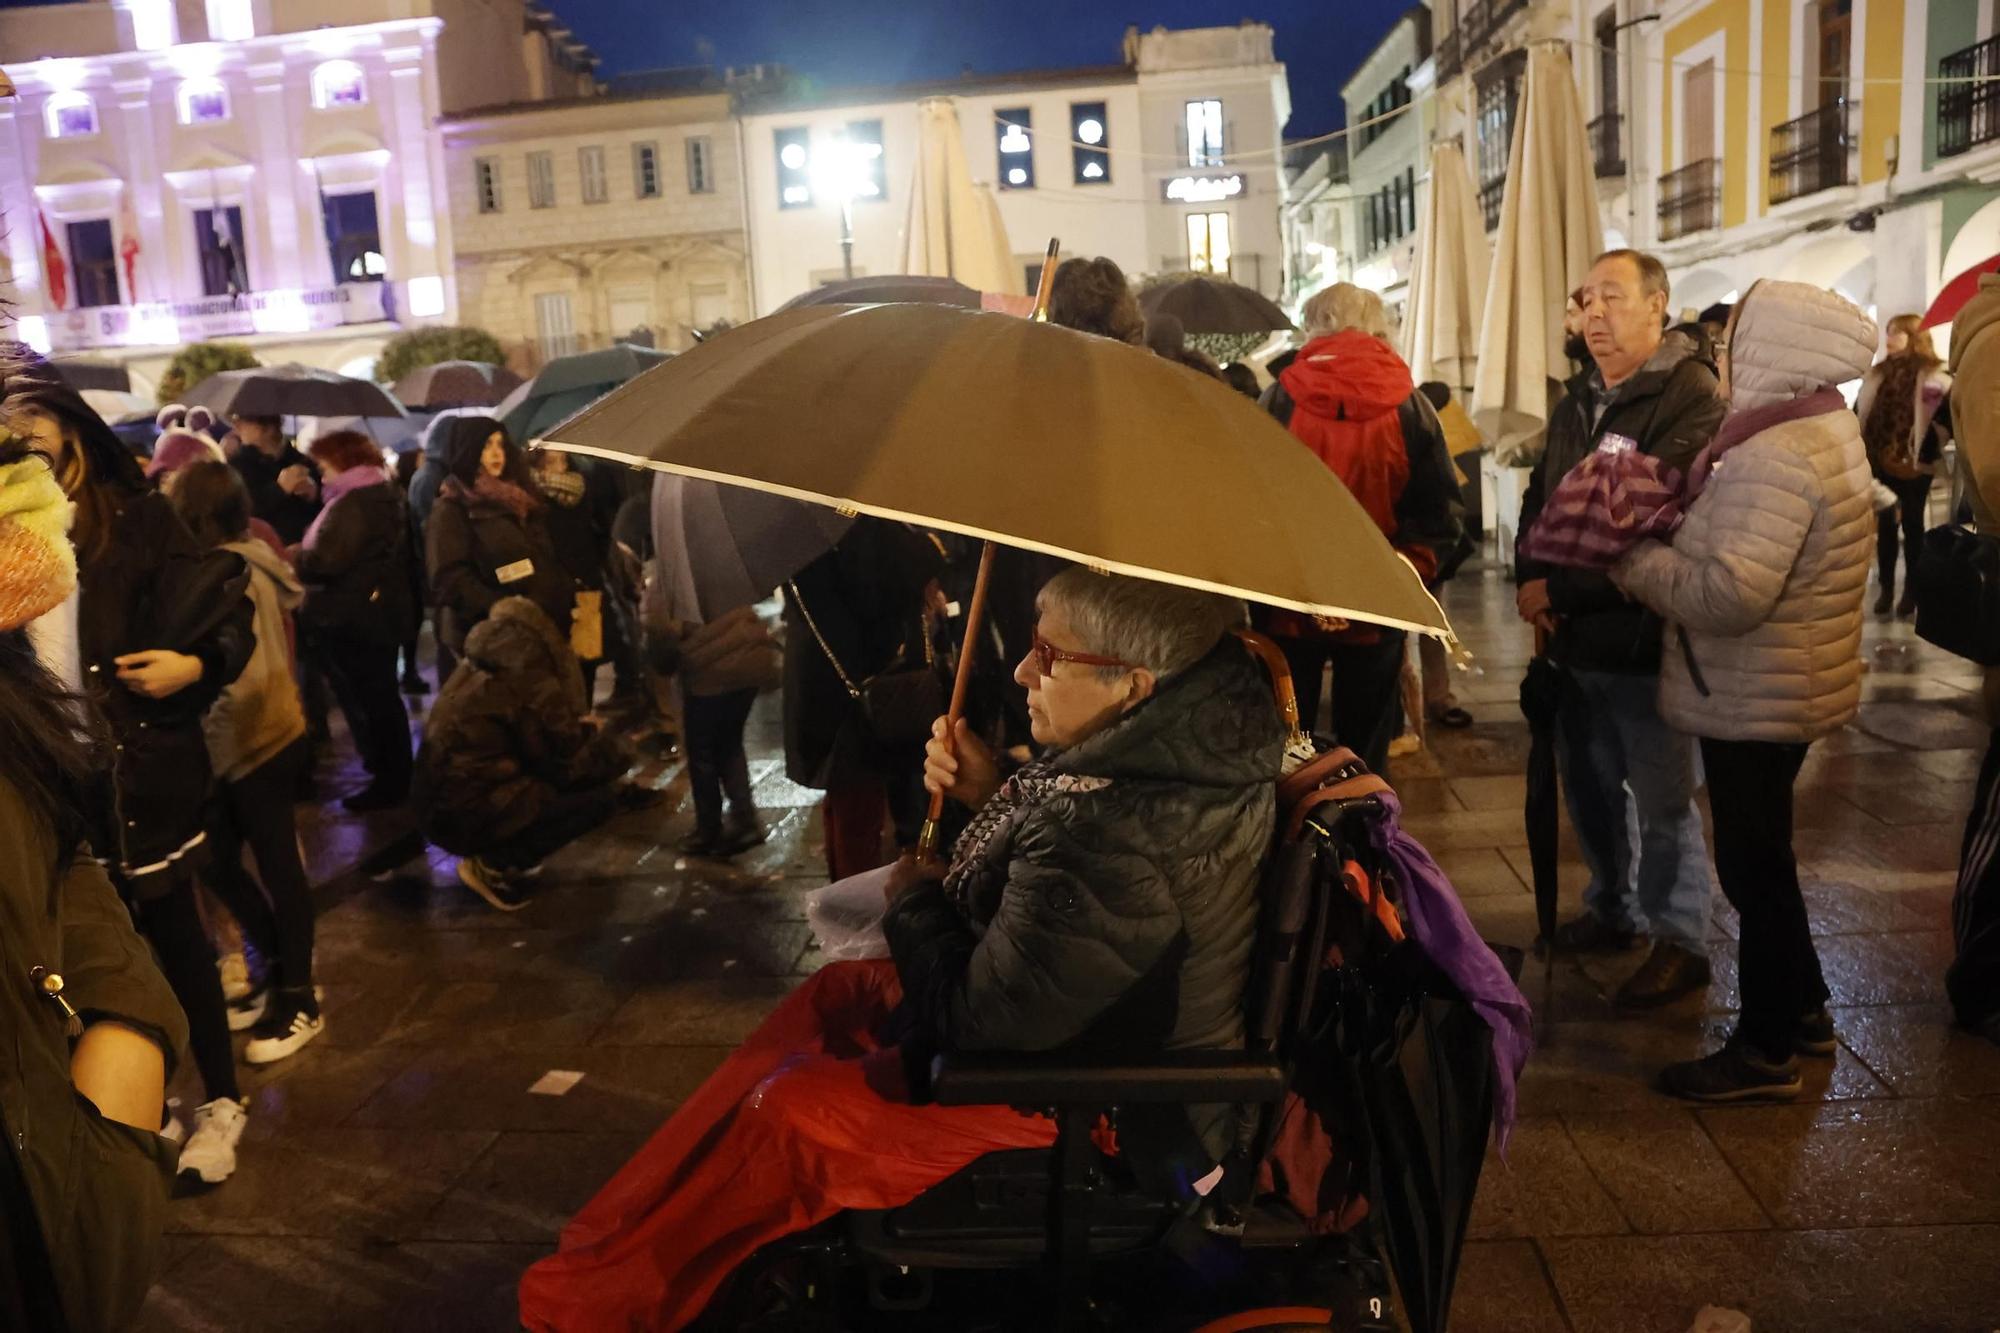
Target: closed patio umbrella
1448,285
953,229
1549,234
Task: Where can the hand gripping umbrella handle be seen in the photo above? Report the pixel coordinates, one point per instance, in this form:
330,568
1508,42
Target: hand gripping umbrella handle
975,617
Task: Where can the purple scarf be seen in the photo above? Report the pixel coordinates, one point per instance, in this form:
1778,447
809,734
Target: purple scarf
1740,426
1444,932
339,484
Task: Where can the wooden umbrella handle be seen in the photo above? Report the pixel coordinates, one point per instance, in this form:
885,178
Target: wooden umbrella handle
975,617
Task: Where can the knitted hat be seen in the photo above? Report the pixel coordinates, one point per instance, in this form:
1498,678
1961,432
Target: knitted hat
37,564
186,436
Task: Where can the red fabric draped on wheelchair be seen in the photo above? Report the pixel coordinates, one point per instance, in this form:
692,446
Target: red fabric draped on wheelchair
808,1118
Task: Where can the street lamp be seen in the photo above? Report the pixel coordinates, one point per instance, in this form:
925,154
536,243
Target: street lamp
845,169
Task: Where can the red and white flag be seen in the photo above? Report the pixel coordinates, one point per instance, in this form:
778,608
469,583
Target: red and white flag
128,246
54,269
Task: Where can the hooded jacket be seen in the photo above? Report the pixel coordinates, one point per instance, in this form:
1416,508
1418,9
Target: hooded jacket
1975,418
1116,915
507,734
1764,581
258,714
355,565
1349,398
1670,408
478,550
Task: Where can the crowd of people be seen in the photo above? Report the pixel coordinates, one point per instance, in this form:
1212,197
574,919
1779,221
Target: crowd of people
172,652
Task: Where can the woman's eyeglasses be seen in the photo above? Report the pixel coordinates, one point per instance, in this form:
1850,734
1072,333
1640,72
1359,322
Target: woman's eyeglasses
1047,655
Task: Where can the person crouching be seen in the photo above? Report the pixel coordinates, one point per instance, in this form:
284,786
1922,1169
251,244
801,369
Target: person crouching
511,769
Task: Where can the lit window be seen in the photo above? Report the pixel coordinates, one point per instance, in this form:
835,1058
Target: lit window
486,181
1204,133
645,171
1090,149
70,115
426,297
231,20
794,166
1208,243
1015,142
339,83
869,170
152,24
701,180
202,101
590,168
541,180
355,238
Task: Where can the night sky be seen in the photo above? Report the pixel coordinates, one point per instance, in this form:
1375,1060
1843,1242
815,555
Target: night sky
842,42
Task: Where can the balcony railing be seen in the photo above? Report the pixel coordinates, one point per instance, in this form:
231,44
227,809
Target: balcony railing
1477,22
1810,154
1690,199
1449,55
1607,143
1490,195
1968,110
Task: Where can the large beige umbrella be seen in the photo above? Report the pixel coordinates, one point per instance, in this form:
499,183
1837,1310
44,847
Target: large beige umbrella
954,228
1020,432
1549,233
1448,284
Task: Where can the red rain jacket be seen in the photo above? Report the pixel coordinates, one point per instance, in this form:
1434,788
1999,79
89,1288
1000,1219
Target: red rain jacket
1346,390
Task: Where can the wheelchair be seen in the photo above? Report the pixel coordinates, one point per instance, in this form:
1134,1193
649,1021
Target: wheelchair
1066,1238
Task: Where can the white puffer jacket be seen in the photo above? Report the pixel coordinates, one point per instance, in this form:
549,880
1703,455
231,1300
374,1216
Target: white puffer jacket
1766,575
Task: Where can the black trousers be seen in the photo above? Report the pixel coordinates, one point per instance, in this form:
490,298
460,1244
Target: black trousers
172,924
363,675
256,811
568,816
1750,789
1367,691
1973,981
712,730
1902,526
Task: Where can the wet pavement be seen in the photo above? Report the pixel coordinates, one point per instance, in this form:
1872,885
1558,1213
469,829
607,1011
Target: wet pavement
399,1173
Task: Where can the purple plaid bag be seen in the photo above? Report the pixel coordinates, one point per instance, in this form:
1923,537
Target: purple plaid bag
1609,503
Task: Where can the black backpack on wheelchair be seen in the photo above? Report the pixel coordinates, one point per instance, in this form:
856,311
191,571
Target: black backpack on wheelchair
1066,1238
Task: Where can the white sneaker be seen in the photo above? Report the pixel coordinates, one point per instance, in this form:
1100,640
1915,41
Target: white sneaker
271,1043
235,975
210,1151
246,1013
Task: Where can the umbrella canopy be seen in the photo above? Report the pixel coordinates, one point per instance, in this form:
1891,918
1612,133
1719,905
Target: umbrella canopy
1549,234
729,546
1021,432
456,384
568,384
1448,284
1211,305
82,372
954,228
398,434
888,288
118,405
1957,292
291,390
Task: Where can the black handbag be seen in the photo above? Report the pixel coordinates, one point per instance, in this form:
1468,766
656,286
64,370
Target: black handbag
1957,585
899,704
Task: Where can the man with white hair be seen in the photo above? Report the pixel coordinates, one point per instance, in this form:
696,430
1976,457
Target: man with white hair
1656,392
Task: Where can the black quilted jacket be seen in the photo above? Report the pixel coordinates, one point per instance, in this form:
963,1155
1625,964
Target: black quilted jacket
1115,921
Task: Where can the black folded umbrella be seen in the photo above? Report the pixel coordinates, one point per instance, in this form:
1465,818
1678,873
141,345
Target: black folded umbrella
889,288
1555,709
1208,305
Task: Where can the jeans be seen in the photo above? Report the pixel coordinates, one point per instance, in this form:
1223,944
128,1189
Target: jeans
1906,521
256,810
1367,691
1750,789
1973,982
363,675
712,731
1641,775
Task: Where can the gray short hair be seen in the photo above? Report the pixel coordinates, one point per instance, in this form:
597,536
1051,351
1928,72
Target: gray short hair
1344,306
1652,273
1159,626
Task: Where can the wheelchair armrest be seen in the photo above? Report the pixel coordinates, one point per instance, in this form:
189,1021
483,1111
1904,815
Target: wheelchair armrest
1016,1079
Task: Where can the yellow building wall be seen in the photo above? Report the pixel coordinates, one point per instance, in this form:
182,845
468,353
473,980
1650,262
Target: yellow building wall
1777,69
1732,19
1881,103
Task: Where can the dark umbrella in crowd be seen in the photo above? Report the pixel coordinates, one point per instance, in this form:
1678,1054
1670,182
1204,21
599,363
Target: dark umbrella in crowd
291,390
748,542
888,287
568,384
1213,305
456,384
83,372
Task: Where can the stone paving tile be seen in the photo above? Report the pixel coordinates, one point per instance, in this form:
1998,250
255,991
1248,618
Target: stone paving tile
1481,873
1663,1171
1905,1280
1916,1050
695,1013
625,1089
1544,1187
527,1186
230,1283
1502,1288
1874,1163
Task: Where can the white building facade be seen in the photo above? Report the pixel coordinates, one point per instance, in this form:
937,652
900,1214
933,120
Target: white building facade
1167,162
1320,232
582,222
262,170
1388,155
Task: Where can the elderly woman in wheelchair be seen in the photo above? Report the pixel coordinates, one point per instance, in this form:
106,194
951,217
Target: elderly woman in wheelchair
1100,910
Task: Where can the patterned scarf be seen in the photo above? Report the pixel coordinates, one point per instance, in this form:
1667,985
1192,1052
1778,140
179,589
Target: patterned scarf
506,494
37,563
1031,784
561,488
